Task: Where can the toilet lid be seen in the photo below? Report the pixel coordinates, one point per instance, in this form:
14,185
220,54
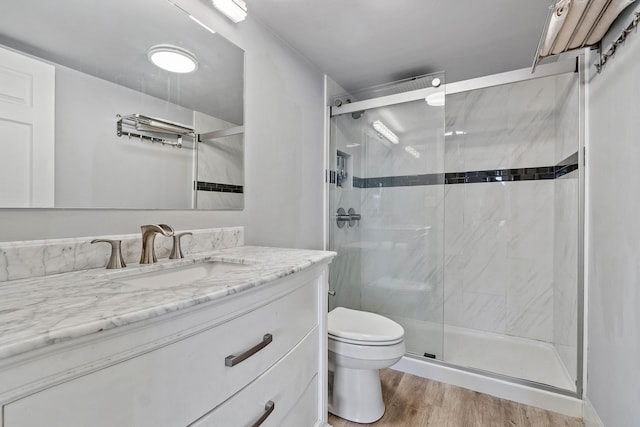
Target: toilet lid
363,326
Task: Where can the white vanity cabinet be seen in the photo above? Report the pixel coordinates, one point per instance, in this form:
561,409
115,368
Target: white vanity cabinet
174,370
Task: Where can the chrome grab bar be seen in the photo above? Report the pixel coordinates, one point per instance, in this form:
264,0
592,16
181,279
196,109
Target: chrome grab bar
233,360
268,409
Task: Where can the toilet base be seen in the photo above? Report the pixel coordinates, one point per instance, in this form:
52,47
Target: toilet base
357,394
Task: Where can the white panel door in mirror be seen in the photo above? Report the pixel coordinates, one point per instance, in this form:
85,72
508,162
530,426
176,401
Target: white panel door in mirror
26,131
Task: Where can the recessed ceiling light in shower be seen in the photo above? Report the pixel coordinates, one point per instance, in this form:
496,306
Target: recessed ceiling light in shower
173,58
436,99
415,153
385,131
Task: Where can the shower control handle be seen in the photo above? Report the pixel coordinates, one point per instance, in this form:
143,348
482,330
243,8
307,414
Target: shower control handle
353,217
342,218
349,217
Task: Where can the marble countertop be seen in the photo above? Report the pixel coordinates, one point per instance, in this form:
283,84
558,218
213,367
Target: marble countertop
42,311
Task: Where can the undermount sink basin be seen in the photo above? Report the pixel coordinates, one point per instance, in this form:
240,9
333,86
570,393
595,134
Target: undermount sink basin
182,275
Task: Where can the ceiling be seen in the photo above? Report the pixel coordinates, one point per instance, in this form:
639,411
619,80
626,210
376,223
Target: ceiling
361,43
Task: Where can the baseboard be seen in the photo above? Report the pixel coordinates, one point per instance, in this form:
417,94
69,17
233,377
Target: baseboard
591,417
503,389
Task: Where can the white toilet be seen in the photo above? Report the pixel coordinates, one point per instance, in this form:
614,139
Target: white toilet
360,343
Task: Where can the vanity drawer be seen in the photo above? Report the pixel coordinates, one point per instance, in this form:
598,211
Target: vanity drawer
176,384
287,383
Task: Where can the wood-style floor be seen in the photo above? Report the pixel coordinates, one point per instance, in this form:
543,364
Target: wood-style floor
417,402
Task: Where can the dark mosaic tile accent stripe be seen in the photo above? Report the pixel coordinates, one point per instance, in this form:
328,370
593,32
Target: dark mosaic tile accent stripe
501,175
567,165
495,175
221,188
399,181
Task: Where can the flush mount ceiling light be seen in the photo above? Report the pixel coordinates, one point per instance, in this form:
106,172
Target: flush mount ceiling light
435,99
386,132
173,58
236,10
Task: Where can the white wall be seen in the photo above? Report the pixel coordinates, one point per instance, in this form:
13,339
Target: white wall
613,369
95,167
284,152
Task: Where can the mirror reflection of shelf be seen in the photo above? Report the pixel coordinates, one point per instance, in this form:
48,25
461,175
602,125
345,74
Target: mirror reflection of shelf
237,130
141,123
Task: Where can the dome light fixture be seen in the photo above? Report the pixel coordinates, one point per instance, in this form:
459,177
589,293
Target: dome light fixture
173,58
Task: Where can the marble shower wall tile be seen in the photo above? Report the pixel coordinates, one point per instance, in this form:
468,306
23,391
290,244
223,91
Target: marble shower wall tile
484,312
402,265
498,263
530,299
220,200
531,123
565,280
220,160
509,126
34,258
567,116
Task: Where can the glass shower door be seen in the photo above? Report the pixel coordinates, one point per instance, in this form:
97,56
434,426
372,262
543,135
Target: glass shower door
389,164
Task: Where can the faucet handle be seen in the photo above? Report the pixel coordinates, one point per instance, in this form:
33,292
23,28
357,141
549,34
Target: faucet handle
176,251
116,260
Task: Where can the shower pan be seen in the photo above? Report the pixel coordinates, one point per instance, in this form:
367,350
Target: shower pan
469,220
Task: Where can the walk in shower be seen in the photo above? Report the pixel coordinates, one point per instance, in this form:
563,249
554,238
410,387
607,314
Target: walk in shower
458,216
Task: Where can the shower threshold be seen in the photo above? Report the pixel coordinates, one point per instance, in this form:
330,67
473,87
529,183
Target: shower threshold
516,357
504,355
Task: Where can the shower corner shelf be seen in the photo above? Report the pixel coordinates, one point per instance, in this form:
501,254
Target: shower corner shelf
125,126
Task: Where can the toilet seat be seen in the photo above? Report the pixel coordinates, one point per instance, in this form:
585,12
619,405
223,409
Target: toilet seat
365,343
363,328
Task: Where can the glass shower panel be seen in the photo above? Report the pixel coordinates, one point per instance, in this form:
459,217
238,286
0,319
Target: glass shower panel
511,230
389,169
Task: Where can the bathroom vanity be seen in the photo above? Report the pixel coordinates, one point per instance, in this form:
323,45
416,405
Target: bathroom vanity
228,337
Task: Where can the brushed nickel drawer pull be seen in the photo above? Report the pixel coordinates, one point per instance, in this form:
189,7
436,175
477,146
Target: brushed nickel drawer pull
268,409
233,360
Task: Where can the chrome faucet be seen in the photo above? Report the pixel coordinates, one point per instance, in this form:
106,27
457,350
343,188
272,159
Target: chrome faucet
176,250
115,260
148,255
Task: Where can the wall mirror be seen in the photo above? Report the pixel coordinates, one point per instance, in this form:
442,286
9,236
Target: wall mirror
88,121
